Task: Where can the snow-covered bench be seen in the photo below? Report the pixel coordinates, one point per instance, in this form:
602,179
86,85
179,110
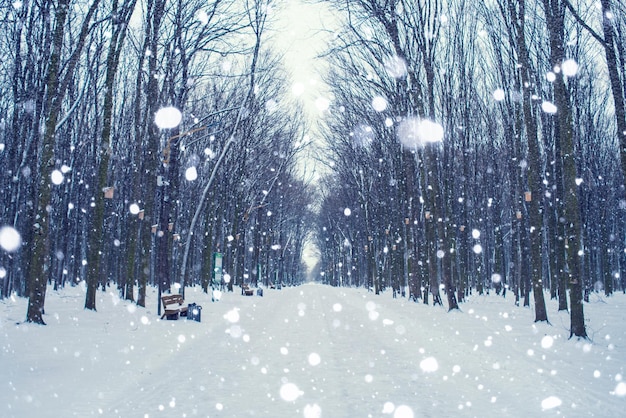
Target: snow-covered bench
173,305
246,290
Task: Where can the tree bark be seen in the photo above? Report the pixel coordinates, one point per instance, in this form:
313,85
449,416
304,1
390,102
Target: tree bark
37,275
534,193
555,14
96,244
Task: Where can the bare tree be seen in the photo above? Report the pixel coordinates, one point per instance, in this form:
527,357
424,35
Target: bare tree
555,15
534,194
57,82
257,18
120,18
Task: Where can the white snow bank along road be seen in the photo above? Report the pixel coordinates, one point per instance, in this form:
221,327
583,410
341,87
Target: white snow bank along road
309,351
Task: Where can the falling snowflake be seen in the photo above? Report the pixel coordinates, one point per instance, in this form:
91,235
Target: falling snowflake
168,117
430,131
379,103
202,17
312,411
314,359
403,411
547,341
569,68
56,177
429,365
548,107
232,315
388,408
290,392
191,173
551,402
133,209
10,239
396,67
416,133
498,95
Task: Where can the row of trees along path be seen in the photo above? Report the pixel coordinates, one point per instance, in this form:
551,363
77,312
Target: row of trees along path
522,190
101,191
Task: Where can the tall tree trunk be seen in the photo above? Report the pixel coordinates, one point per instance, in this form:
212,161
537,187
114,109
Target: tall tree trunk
534,194
95,249
555,16
40,262
145,151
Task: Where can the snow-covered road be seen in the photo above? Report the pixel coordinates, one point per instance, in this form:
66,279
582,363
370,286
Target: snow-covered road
309,351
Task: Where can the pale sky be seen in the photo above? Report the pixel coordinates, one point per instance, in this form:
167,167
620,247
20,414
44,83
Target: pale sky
302,30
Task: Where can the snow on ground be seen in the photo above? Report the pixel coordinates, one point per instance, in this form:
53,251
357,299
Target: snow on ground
309,351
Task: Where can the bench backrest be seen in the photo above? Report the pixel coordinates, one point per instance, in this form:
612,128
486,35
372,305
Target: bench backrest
172,299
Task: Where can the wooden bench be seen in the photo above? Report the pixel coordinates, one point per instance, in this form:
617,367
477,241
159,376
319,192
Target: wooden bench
245,290
173,305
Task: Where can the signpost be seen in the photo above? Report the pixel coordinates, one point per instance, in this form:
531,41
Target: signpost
216,282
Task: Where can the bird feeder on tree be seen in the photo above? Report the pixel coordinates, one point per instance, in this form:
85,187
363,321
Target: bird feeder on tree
528,196
108,192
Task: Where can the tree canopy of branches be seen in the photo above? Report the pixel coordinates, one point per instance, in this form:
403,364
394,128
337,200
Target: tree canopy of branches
103,193
475,146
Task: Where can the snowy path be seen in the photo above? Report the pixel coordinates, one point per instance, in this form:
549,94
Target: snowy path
309,351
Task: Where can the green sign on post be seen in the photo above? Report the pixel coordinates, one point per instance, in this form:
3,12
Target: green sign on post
217,277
